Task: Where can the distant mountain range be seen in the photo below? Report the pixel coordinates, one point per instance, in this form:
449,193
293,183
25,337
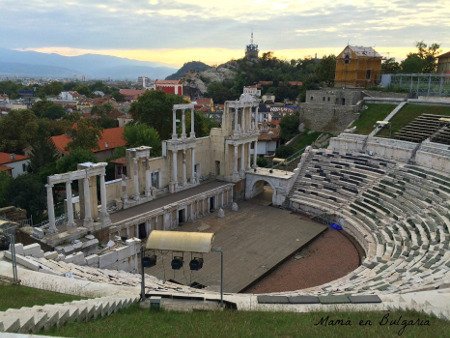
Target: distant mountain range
93,66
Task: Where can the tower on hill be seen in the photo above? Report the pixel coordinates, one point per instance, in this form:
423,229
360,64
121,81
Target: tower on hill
251,51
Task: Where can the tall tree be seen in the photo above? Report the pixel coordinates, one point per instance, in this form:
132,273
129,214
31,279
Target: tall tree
48,110
17,130
422,61
85,135
154,108
390,66
289,126
5,182
326,69
70,161
140,134
43,153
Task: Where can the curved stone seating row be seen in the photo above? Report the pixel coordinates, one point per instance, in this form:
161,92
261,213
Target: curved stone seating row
37,318
402,209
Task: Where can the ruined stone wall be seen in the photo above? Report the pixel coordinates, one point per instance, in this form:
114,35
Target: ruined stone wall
327,118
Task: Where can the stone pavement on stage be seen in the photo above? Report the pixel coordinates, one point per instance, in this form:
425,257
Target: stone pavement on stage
254,240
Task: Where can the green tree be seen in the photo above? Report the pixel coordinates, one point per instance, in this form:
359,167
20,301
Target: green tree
289,126
70,161
326,69
140,134
390,66
50,89
27,191
17,130
220,91
284,151
422,61
84,135
103,116
202,124
43,153
154,108
5,182
48,110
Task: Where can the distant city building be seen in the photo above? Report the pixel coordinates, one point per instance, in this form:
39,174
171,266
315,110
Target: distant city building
443,65
131,94
357,66
13,164
144,81
170,86
251,51
69,96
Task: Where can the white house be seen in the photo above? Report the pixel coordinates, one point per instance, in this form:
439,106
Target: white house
13,164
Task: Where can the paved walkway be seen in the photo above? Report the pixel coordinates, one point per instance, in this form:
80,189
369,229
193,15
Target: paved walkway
165,200
254,240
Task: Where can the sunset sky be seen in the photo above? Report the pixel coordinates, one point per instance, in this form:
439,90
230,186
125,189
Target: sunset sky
176,31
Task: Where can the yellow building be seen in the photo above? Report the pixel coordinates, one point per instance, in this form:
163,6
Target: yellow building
357,66
443,66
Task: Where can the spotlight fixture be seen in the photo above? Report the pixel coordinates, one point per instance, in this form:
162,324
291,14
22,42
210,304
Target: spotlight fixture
196,263
177,263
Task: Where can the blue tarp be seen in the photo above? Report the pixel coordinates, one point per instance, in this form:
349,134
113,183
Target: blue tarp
335,226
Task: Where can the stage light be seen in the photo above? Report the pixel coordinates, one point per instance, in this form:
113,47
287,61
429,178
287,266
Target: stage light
196,263
177,263
149,261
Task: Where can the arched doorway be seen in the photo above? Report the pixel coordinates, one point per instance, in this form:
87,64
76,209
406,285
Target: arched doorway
263,192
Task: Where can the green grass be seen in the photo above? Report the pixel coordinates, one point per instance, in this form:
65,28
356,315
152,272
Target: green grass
16,296
135,322
304,139
368,117
408,113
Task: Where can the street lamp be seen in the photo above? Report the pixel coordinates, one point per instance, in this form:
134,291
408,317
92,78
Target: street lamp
219,250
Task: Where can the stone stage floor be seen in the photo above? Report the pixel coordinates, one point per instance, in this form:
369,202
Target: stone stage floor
254,240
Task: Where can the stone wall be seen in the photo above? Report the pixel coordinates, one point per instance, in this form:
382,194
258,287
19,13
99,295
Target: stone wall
327,118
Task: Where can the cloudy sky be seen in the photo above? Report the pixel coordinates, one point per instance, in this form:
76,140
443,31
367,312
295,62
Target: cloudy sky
177,31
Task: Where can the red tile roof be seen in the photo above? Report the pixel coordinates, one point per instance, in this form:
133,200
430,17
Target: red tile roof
4,168
11,158
131,93
110,138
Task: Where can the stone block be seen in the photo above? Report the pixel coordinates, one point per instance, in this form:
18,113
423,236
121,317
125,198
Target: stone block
24,261
107,259
124,252
334,299
50,255
92,260
357,299
60,257
68,249
19,248
38,233
38,254
78,245
89,237
273,300
304,300
90,243
32,249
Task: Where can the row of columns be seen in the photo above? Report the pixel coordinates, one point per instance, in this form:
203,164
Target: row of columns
88,219
248,119
184,167
236,156
183,124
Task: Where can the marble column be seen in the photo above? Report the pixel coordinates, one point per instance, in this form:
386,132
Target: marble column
249,146
184,168
255,155
183,124
70,220
242,157
192,135
193,178
148,183
174,124
235,119
136,178
235,159
87,203
104,211
50,207
174,167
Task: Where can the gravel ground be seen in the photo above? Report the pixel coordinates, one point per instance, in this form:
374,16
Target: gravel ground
329,257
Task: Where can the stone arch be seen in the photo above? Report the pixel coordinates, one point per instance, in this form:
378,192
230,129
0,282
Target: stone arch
253,190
